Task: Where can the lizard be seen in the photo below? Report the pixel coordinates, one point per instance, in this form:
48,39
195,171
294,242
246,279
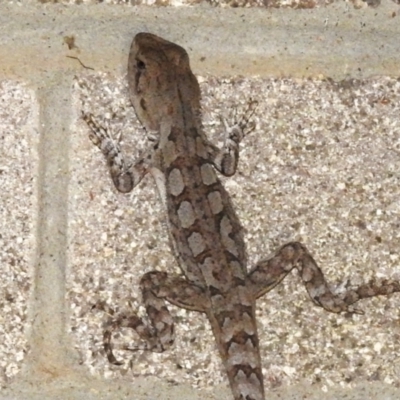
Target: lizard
204,231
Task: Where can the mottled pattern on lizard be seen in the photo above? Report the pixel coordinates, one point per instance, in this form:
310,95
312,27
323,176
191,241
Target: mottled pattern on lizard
205,233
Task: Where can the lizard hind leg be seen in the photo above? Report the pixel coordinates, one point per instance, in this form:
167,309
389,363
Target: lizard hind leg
123,321
268,273
158,332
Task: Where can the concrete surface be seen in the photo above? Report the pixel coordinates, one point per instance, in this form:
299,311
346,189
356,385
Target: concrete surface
322,167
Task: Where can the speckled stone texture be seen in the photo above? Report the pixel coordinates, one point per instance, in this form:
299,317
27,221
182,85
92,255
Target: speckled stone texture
321,168
18,171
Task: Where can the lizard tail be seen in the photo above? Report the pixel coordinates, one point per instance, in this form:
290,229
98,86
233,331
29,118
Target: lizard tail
237,341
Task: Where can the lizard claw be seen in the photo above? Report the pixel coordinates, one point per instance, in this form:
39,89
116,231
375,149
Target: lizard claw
242,125
246,122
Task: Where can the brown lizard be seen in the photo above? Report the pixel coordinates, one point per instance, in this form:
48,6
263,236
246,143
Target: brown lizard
205,233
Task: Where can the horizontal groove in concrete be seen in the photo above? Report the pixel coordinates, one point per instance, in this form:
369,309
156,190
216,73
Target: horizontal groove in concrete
337,41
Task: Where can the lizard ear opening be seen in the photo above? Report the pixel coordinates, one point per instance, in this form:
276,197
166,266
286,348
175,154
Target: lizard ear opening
140,64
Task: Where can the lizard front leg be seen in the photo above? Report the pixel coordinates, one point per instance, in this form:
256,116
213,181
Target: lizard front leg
125,177
226,159
158,334
268,273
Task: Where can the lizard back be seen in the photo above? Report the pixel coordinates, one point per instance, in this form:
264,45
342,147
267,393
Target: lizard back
205,232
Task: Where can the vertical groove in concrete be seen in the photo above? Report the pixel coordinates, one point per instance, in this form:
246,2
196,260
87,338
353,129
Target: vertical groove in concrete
49,350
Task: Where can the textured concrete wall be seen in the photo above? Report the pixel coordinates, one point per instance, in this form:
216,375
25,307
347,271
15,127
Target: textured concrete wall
322,168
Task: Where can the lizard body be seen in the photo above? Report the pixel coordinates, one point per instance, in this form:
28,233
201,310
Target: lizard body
204,230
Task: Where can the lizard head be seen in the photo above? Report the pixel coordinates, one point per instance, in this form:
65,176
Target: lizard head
161,84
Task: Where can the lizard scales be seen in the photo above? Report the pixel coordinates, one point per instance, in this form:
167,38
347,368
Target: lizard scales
204,230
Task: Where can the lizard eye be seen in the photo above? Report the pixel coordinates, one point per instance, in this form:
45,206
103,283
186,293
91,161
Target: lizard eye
140,65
